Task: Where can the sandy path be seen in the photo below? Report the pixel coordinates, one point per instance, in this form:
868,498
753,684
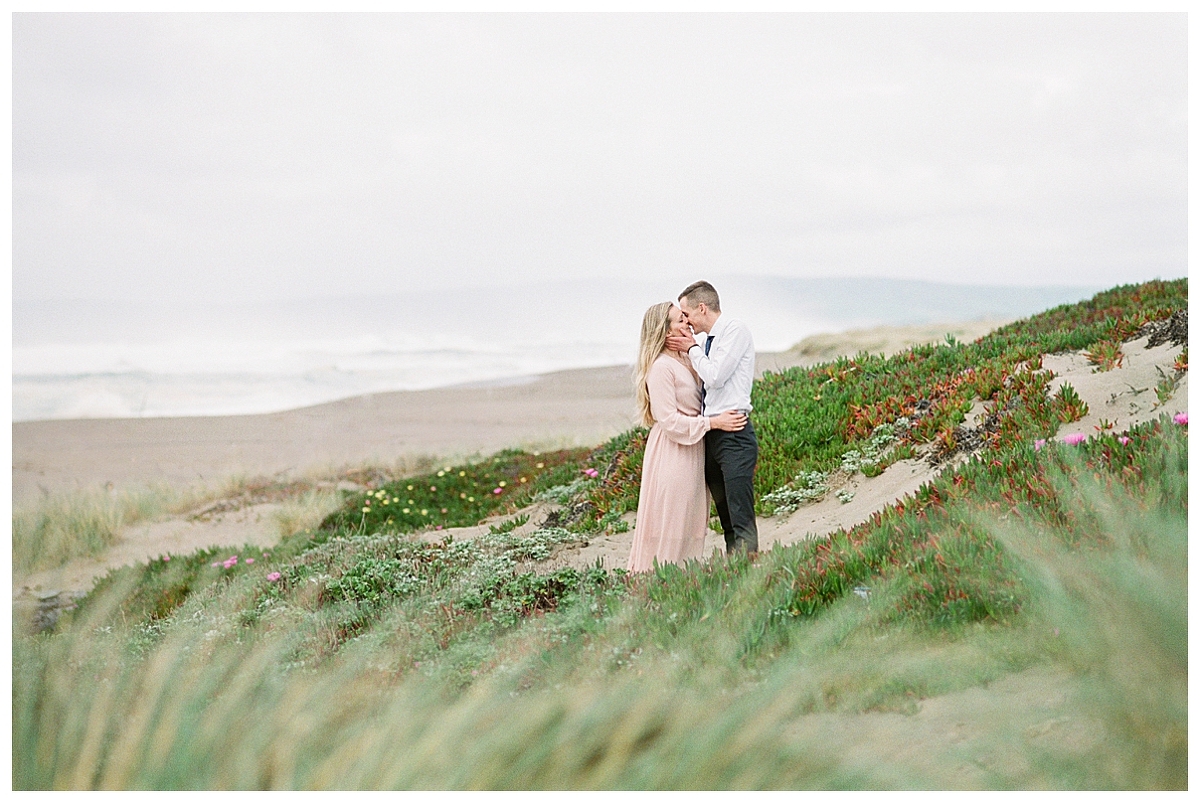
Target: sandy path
871,494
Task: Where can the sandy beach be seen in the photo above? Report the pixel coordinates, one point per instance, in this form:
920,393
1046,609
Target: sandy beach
567,408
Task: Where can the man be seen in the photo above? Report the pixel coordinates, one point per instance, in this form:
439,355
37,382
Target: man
724,359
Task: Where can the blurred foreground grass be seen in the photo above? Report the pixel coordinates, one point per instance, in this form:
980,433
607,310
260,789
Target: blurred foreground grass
1086,689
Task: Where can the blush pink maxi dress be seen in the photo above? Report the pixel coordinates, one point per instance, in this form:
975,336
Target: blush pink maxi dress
672,514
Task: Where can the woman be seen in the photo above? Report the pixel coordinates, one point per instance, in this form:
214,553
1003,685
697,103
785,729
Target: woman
672,514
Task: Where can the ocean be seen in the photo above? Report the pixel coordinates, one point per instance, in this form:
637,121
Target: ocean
123,359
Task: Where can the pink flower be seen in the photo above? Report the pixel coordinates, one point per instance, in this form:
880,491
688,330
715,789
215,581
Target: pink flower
266,554
498,491
1038,444
274,576
1122,440
438,527
1074,439
1181,419
249,560
166,558
216,565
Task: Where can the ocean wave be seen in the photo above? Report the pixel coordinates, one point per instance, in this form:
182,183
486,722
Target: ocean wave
300,382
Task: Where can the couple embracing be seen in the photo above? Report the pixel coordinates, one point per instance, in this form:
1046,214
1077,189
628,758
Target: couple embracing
694,394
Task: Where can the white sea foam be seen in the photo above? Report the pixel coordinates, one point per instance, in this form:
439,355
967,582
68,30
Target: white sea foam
229,378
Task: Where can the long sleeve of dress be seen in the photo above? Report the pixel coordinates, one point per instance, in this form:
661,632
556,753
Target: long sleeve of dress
664,406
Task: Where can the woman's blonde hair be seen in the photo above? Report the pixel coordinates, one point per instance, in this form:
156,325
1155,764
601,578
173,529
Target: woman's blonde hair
656,325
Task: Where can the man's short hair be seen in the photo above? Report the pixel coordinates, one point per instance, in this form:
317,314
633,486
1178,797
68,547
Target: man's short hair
702,293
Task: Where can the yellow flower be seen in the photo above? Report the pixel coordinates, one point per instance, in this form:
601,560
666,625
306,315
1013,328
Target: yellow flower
462,496
541,465
503,483
424,512
410,487
405,510
470,499
462,473
385,501
523,479
441,473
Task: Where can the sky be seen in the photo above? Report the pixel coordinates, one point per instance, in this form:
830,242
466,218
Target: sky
246,158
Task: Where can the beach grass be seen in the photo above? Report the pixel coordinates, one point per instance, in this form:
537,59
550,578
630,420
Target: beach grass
640,697
61,527
1019,622
306,511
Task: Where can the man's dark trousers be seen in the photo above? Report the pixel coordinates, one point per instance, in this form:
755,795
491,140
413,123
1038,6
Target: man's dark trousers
729,460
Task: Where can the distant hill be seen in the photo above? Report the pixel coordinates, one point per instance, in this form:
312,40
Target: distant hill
901,302
781,311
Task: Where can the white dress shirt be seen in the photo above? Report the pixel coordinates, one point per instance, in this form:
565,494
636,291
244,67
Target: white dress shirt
728,370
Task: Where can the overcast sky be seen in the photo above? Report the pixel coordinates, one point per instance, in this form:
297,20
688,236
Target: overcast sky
250,157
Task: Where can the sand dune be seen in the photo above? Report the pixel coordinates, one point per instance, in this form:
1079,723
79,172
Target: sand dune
581,407
1121,398
886,340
